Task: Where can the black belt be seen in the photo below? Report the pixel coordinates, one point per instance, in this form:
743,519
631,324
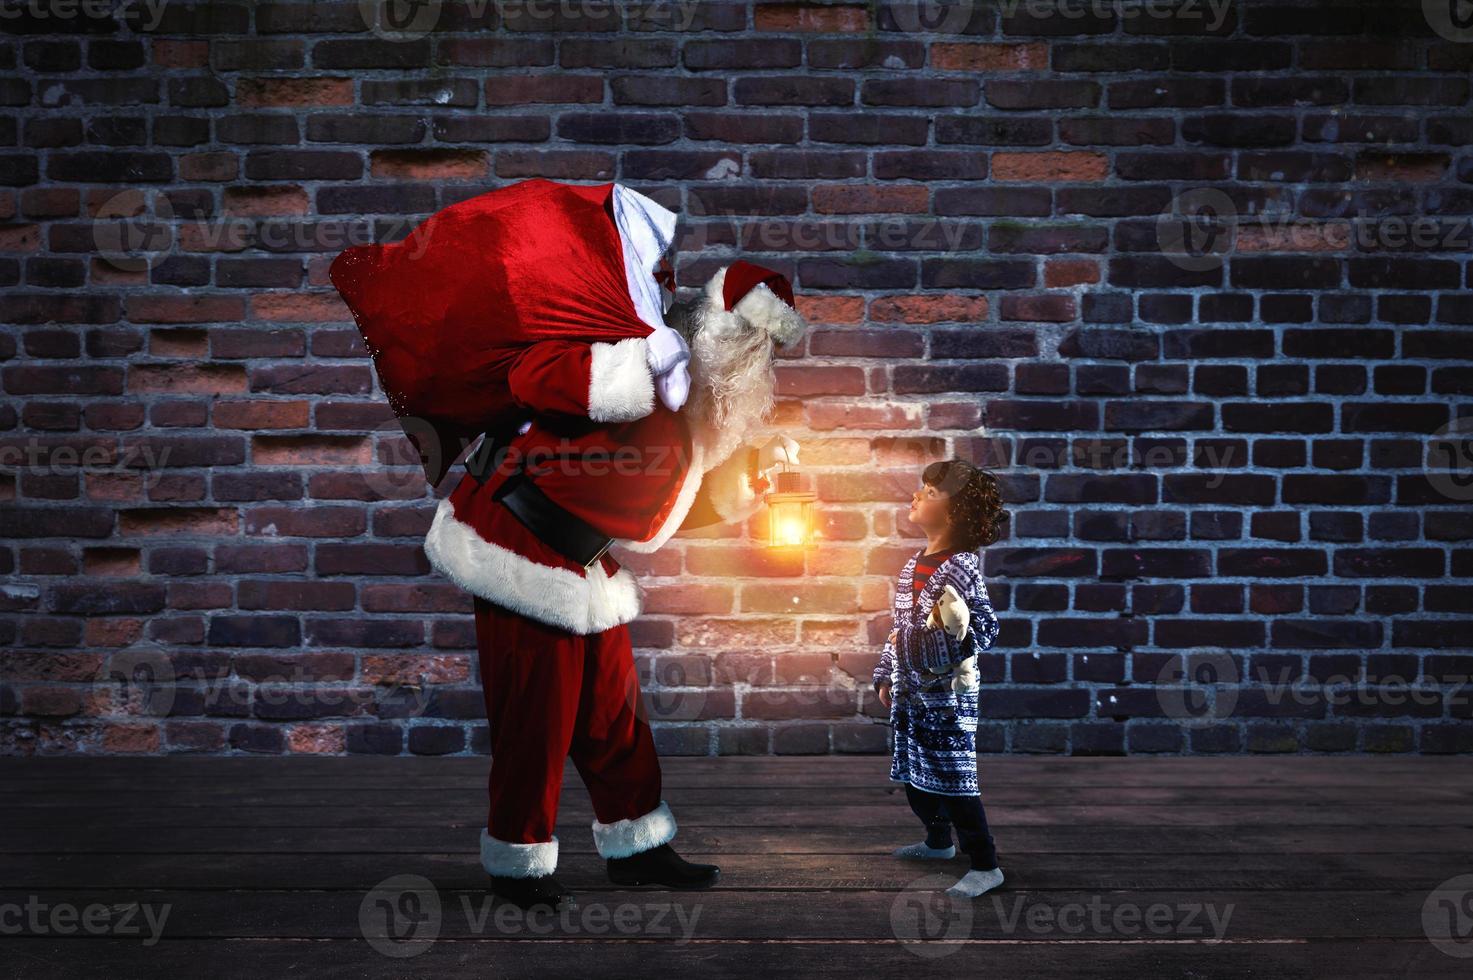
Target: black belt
564,532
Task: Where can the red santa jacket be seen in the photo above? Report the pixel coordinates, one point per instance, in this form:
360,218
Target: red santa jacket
602,447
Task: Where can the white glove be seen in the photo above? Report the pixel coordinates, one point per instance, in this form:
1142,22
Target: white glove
668,357
779,449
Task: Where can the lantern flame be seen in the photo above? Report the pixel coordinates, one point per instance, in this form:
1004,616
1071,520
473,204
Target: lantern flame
790,513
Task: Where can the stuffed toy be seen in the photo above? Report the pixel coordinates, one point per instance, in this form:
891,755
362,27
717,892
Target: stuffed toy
951,614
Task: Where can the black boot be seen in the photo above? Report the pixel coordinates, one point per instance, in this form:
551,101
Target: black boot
661,866
543,891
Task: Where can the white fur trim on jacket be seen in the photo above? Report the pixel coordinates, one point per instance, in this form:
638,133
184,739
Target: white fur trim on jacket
509,860
625,837
730,495
581,604
684,498
620,387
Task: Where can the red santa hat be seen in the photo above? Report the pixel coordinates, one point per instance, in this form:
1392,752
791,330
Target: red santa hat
752,293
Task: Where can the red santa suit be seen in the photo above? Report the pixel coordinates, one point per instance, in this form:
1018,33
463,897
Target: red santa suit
556,663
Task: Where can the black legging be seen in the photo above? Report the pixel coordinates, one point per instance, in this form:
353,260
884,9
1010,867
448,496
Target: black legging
939,813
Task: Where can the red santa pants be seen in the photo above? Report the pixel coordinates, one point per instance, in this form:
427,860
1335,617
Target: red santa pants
551,694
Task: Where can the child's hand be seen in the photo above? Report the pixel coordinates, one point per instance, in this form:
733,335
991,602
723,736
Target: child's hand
894,635
885,694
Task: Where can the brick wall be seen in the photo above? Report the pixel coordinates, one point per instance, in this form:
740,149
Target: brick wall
1214,429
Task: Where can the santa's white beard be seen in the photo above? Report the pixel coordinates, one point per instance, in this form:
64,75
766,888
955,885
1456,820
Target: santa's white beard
732,382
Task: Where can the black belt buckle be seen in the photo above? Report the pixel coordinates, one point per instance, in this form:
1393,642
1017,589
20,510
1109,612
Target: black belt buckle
564,532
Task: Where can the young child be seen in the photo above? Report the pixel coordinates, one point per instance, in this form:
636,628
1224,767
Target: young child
927,674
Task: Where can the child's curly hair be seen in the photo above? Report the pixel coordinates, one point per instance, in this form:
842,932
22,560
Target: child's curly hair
973,501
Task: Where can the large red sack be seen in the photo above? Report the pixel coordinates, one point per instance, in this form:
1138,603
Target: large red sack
445,310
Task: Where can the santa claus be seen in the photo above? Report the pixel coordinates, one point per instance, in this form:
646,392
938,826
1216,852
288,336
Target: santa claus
622,443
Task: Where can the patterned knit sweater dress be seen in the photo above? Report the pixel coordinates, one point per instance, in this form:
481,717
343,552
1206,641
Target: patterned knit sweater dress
935,728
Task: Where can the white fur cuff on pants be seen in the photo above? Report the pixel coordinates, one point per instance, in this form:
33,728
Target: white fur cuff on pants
509,860
625,837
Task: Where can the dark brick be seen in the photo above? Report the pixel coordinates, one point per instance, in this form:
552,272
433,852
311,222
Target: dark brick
254,631
1271,562
1390,563
104,598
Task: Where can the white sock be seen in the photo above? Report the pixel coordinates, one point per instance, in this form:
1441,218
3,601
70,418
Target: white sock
974,883
921,850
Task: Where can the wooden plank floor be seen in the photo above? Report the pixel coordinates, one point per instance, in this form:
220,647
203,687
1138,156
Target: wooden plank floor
1153,867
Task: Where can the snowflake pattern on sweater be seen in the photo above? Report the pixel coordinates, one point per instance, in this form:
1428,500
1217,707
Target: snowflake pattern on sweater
935,728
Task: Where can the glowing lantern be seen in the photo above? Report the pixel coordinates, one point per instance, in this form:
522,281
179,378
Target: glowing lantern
789,512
